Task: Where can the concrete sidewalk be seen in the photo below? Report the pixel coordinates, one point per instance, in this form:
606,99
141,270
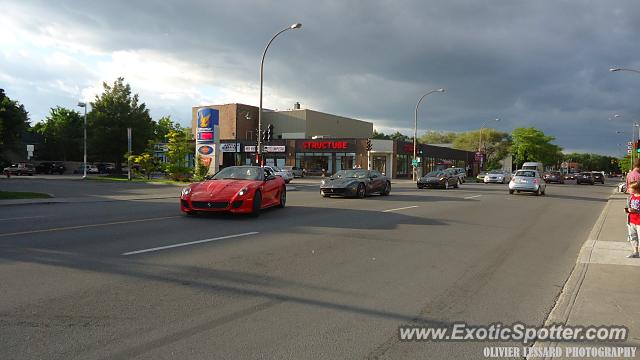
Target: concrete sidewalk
604,287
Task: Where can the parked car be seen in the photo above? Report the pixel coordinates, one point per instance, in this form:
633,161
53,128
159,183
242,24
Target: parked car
21,169
528,181
50,167
598,176
585,178
497,176
105,168
438,179
314,172
235,189
91,169
570,176
480,177
296,171
355,183
554,177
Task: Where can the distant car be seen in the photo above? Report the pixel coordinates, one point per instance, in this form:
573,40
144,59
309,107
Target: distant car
497,176
438,179
105,168
297,172
235,189
585,178
554,177
314,172
598,176
355,183
91,169
21,169
528,181
287,175
50,167
461,173
570,176
480,177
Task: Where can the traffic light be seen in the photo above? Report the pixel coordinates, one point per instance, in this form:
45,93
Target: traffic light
369,145
270,132
264,134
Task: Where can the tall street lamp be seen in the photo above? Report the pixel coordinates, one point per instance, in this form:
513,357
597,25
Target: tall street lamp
624,69
415,129
84,170
482,127
264,53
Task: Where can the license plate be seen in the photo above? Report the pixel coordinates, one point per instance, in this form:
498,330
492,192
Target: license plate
523,181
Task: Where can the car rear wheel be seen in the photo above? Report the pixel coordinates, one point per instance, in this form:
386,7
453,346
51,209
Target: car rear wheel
283,197
362,192
257,204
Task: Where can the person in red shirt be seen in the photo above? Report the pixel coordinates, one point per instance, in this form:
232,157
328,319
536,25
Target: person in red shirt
633,217
634,174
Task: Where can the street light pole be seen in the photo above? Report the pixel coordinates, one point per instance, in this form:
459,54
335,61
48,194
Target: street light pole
415,129
264,53
624,69
84,170
481,127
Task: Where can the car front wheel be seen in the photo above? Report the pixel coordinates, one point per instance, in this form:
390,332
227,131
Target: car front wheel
362,192
387,189
283,197
257,204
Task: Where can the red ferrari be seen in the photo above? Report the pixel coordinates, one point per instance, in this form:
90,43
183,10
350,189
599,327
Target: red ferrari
236,189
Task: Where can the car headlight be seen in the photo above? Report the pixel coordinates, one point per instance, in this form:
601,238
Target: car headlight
243,191
441,179
323,182
186,191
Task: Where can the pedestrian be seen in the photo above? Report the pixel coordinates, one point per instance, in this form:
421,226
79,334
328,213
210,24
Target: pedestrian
634,174
633,217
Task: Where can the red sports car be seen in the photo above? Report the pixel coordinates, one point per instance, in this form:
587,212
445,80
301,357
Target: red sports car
236,189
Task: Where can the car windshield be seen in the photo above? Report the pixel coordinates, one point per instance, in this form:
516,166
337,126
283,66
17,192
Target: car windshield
526,173
238,172
350,174
435,174
495,172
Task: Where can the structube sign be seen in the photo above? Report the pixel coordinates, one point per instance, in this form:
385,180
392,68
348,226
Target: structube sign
325,146
208,138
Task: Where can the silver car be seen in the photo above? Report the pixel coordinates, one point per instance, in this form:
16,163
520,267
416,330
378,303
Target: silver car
528,181
497,177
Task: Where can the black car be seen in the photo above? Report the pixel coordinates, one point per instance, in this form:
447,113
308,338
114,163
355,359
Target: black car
598,177
355,183
50,167
443,179
585,178
554,177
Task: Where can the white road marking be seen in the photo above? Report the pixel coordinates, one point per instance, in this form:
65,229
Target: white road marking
402,208
472,197
187,243
25,217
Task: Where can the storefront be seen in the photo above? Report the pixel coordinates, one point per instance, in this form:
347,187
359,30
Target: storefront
381,156
431,158
244,153
329,156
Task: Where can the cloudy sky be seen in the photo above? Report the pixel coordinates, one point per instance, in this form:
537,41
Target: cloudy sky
531,63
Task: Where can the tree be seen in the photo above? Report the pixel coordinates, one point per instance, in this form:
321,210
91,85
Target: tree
146,162
531,144
495,144
379,135
14,121
437,137
179,146
115,110
400,137
62,134
163,127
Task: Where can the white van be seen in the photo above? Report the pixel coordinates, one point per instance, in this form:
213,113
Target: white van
533,166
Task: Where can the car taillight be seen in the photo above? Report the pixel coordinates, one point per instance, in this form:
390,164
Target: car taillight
535,181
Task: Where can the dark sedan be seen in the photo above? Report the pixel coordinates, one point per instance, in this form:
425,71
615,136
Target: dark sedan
438,179
554,177
355,183
49,167
585,178
598,177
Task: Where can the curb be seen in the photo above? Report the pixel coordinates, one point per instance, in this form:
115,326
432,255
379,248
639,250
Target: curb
65,201
566,300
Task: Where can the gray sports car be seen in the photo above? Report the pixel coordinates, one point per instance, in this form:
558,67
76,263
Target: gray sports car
355,183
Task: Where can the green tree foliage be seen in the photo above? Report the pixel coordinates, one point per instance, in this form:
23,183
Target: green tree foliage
62,135
437,137
495,144
531,144
163,127
594,162
201,169
179,146
112,113
400,137
14,121
145,161
380,135
624,164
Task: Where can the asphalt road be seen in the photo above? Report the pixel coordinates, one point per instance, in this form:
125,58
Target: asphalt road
321,279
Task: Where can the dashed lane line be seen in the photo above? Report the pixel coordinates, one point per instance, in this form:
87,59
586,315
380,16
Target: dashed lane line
187,243
402,208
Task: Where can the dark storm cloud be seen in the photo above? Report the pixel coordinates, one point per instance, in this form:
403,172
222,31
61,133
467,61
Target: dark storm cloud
531,63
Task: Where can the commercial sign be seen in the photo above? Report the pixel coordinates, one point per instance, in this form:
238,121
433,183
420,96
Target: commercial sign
205,136
249,148
207,119
230,147
326,146
205,150
274,148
